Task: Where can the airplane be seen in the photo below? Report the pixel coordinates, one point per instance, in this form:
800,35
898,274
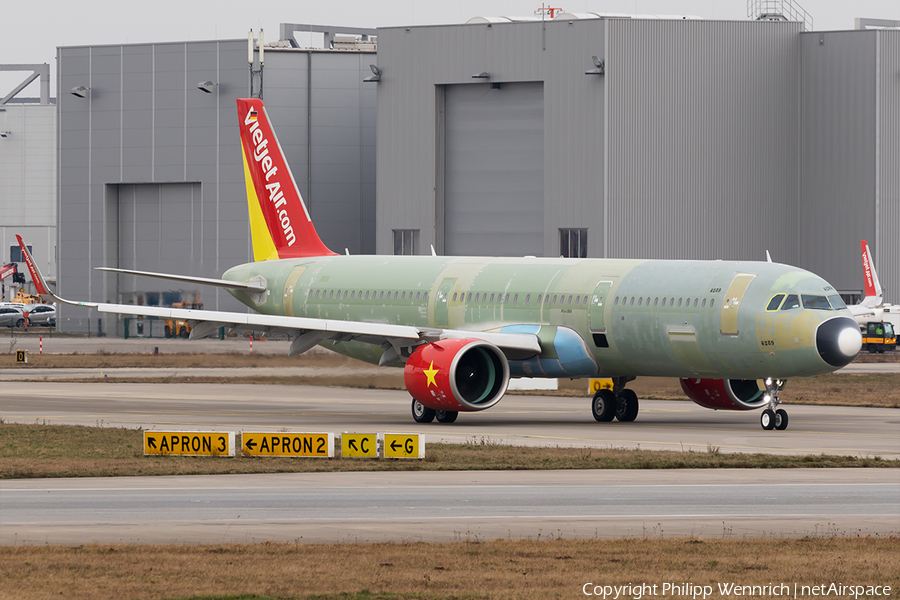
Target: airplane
872,307
461,327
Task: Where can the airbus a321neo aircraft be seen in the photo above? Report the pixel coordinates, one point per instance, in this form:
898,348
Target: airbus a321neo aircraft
462,326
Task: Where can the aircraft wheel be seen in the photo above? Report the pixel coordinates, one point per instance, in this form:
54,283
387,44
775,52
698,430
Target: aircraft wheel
627,407
421,413
603,406
184,332
781,419
767,419
446,416
872,349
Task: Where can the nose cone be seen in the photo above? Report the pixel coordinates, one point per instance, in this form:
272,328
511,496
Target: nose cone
838,341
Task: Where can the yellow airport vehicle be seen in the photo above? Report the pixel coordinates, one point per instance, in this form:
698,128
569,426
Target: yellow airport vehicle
879,336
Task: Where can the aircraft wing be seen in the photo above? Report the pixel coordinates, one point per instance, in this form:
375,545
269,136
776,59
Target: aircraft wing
306,332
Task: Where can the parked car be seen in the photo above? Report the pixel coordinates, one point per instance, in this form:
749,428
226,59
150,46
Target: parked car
41,314
11,316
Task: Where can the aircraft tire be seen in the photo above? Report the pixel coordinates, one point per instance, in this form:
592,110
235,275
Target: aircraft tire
767,419
421,413
627,407
184,332
603,406
781,419
446,416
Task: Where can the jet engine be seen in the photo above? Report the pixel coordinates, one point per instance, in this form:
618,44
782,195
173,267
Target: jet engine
725,394
457,375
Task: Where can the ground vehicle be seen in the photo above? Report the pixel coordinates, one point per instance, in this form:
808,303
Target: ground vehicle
879,336
41,314
28,298
11,316
178,327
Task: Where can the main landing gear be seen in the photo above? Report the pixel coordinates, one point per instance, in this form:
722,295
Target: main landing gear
618,403
773,417
423,414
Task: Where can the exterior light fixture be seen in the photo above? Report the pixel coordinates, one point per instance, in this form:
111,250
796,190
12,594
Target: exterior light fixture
482,75
5,134
598,67
376,74
207,86
80,91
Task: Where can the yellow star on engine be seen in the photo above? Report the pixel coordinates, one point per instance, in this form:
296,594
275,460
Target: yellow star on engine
430,372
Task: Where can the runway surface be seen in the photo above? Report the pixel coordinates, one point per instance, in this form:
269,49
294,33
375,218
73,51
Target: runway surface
450,506
517,419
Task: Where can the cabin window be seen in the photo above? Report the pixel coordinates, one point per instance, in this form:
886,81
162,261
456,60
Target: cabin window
792,301
712,302
317,294
554,298
679,302
469,297
353,295
396,294
418,295
527,298
656,301
425,296
454,297
547,300
570,299
640,300
837,303
672,302
695,302
367,294
516,299
492,297
616,301
540,297
632,301
577,300
703,304
687,303
506,300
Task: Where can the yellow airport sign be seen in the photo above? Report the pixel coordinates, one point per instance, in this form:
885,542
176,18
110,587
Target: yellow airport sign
189,443
22,356
595,384
403,445
309,445
359,445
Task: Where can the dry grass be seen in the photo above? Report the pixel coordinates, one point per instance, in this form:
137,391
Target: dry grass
33,450
524,569
872,390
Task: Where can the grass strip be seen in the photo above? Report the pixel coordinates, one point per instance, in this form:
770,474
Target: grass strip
35,450
521,569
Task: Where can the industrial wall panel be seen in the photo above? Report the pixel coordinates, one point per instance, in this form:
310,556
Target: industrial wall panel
887,249
838,164
494,170
703,132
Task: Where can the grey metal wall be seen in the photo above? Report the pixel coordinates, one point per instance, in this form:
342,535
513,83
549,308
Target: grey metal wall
686,148
28,184
145,131
887,259
850,155
703,139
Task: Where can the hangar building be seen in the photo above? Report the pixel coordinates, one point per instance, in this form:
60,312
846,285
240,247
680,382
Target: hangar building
581,136
150,169
642,138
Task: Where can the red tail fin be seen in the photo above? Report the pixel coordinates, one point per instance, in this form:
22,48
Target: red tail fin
279,221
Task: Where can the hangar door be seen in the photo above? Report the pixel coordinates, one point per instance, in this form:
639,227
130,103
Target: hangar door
494,170
159,229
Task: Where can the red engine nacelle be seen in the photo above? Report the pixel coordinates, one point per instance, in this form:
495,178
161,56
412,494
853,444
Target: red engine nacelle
457,375
725,394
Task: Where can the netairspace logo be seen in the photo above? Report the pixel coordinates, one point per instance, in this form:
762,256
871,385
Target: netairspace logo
734,590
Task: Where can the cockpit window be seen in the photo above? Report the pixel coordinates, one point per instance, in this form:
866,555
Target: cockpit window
775,302
836,302
792,301
816,302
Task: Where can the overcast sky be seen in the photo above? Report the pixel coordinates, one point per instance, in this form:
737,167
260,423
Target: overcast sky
32,29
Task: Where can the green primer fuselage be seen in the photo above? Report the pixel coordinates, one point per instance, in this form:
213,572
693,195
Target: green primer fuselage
635,317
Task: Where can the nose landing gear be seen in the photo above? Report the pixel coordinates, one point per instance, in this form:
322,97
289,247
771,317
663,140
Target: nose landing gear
773,417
